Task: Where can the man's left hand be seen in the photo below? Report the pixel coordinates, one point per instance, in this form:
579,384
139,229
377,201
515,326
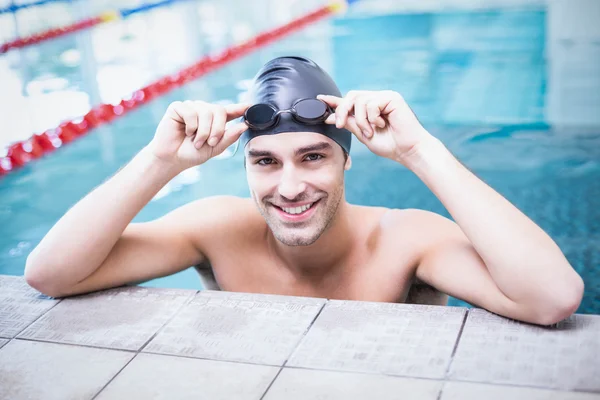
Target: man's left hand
382,120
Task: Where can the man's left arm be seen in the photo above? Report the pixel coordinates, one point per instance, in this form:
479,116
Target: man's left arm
496,257
504,262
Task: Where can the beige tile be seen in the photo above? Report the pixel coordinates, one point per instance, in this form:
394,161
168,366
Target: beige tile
36,370
152,376
478,391
494,349
20,305
395,339
122,318
294,383
262,329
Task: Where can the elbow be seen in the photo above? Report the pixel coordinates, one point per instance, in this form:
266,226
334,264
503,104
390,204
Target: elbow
31,273
565,305
34,275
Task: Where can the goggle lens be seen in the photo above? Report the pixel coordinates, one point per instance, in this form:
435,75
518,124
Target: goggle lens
261,115
310,109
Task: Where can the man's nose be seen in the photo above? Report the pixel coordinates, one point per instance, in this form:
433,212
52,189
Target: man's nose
291,184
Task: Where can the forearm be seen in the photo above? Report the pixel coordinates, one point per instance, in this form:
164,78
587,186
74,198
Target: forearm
523,260
82,239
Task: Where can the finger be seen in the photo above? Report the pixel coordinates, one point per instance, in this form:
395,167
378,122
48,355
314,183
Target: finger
344,108
379,122
353,127
218,126
385,105
332,101
172,112
232,133
205,119
374,112
183,113
330,119
360,115
236,110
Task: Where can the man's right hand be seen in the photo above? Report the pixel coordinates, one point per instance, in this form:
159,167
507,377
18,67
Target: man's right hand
192,132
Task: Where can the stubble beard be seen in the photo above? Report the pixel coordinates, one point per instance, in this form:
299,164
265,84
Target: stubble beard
308,232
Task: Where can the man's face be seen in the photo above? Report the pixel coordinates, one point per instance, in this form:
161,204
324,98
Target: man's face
297,182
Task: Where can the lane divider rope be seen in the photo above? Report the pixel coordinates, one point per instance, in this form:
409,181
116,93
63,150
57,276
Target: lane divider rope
16,7
108,16
23,152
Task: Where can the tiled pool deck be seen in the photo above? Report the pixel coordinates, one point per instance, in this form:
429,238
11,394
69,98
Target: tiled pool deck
146,343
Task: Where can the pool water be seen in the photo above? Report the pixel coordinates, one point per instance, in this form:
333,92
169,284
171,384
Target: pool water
514,101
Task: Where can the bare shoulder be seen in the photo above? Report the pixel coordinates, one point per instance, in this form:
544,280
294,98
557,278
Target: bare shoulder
420,230
219,212
216,221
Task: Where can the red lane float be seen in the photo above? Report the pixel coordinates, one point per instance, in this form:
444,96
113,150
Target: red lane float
50,34
60,31
21,153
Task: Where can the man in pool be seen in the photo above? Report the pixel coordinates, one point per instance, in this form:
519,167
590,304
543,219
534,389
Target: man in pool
298,235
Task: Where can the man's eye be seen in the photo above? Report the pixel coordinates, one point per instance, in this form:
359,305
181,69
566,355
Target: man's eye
314,157
265,161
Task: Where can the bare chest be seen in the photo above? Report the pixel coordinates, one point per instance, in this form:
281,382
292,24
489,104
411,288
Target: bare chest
367,277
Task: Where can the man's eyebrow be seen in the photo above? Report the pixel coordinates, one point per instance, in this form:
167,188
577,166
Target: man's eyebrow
260,153
313,147
302,150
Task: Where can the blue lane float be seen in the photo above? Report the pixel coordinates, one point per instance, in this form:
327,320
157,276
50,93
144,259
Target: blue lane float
16,7
128,11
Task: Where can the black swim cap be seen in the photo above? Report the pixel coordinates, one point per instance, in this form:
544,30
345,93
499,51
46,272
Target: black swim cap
284,80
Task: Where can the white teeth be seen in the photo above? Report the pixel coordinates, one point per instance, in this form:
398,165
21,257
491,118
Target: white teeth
297,210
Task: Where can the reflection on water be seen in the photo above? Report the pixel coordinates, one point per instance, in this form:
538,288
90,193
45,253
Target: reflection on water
108,62
513,92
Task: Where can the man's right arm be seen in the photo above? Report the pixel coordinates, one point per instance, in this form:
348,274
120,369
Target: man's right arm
95,246
97,232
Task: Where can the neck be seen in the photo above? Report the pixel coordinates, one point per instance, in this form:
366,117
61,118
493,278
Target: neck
324,256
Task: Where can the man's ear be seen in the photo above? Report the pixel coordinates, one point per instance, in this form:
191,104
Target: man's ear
348,163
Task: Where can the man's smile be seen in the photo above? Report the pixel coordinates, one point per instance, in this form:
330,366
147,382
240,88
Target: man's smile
297,212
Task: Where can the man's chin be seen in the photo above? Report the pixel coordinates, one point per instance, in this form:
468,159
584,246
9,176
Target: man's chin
297,241
295,237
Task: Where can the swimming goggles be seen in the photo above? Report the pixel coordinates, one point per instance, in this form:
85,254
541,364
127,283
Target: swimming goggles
306,111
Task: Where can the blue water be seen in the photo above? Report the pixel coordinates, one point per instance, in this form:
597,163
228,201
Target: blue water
479,80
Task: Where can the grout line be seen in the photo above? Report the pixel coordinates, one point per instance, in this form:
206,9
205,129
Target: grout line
136,352
439,396
258,364
391,375
462,327
520,385
5,344
271,384
305,333
423,378
114,377
38,317
185,303
88,346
